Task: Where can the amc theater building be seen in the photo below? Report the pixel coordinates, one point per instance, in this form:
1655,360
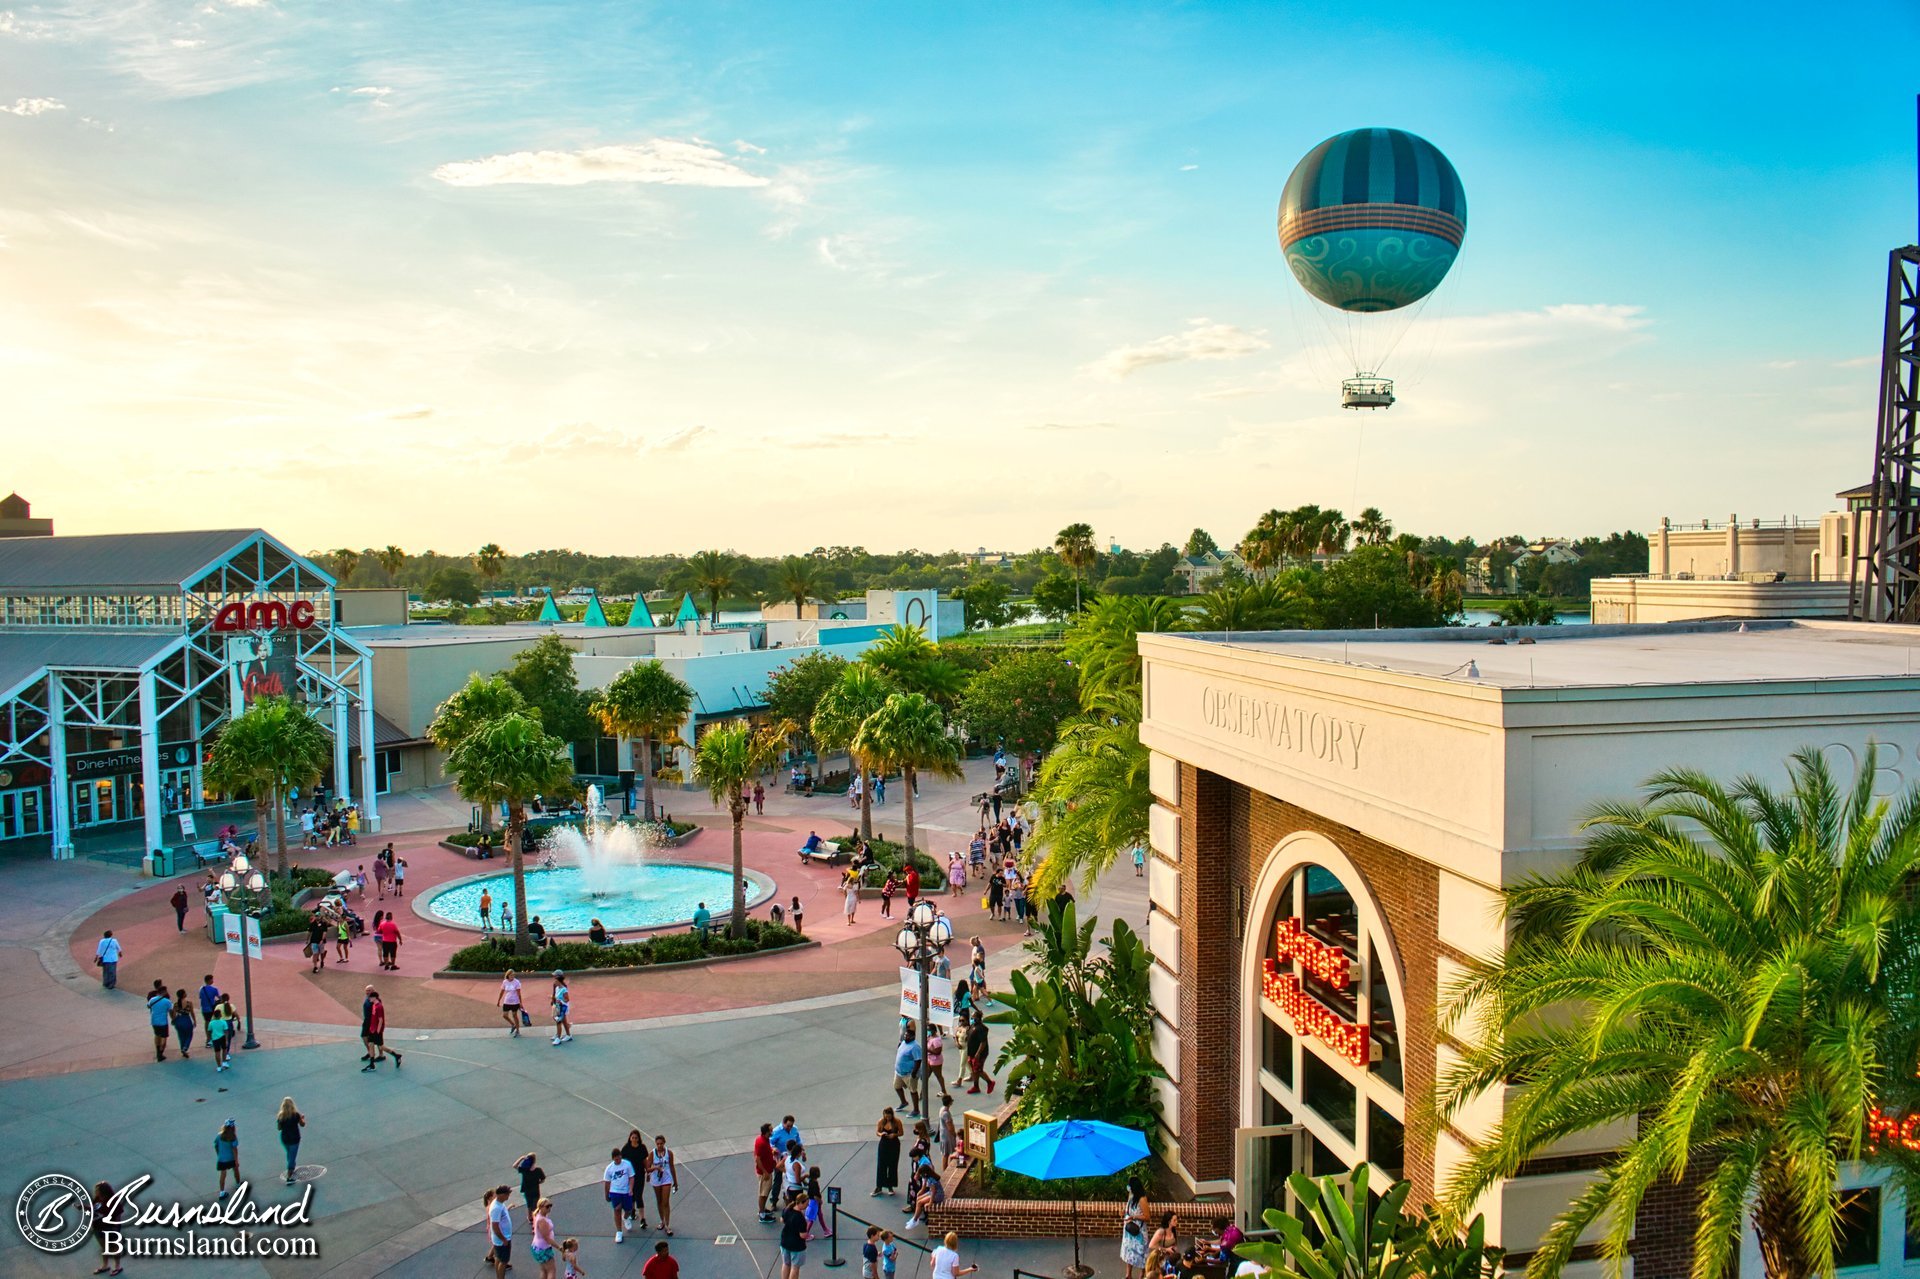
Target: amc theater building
1335,814
121,656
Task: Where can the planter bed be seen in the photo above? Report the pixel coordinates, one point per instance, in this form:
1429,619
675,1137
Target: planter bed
638,968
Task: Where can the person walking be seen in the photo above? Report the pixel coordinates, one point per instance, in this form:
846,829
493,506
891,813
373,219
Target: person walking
616,1182
342,938
759,800
508,1001
664,1180
290,1121
159,1014
634,1151
500,1231
388,934
913,884
936,1055
179,903
946,1259
850,882
102,1196
375,1032
562,1027
532,1175
400,878
106,957
183,1023
317,941
793,1236
766,1167
956,874
886,1167
906,1070
1139,861
226,1155
486,911
380,873
540,1238
218,1031
977,1053
1133,1229
996,896
661,1265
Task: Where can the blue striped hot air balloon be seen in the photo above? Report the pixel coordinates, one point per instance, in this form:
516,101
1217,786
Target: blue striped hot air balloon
1371,219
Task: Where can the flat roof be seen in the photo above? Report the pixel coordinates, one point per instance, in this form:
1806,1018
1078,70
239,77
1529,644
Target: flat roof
25,652
431,634
1606,656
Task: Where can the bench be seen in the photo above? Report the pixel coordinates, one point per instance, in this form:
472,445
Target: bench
207,852
830,854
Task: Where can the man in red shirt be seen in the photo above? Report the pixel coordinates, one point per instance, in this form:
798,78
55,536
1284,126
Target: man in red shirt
376,1031
913,883
660,1265
766,1165
387,932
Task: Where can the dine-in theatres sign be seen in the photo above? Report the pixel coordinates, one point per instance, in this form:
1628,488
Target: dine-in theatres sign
1320,735
1308,1015
265,615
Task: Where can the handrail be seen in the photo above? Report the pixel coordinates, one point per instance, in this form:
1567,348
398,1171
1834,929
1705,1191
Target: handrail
839,1212
1018,1273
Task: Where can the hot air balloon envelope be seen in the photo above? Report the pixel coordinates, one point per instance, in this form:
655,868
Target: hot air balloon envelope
1371,219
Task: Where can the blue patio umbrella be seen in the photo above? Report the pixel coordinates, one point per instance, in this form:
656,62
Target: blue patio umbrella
1071,1148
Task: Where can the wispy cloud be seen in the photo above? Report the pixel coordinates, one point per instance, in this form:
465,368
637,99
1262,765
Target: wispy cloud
1062,427
660,161
565,438
374,91
742,147
1188,168
34,106
679,441
1202,340
12,24
405,413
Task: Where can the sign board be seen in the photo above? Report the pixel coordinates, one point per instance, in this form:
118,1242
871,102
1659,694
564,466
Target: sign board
262,665
230,926
979,1131
265,615
119,763
833,1194
187,828
939,996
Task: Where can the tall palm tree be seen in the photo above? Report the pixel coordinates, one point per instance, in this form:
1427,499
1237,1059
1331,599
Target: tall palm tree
1093,796
913,663
344,560
1075,546
269,749
392,559
909,733
1373,527
837,718
491,561
1330,532
802,580
477,703
643,702
1733,969
713,574
1253,606
508,761
728,759
1104,642
1266,543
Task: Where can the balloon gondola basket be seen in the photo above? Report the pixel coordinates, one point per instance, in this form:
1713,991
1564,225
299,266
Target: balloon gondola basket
1366,392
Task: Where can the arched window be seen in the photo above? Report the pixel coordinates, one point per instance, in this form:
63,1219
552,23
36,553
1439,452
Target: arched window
1330,1051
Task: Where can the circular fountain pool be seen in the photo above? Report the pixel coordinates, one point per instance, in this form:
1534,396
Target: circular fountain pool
649,895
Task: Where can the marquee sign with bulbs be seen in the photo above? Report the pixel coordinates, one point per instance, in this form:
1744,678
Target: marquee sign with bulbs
1309,1016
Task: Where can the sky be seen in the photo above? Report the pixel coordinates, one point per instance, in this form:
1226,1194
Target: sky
642,278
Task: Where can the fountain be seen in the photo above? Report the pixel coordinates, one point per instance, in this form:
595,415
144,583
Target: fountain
603,869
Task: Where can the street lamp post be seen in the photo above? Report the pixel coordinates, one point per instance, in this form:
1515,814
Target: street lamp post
920,940
241,878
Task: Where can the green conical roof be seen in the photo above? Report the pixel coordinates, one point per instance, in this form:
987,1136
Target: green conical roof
549,611
688,612
641,615
596,616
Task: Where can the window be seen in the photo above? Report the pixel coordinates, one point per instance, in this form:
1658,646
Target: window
1857,1239
1279,1051
1386,1142
1913,1233
1327,1093
1325,1162
1384,1032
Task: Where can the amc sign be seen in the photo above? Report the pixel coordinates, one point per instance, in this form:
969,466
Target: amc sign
265,615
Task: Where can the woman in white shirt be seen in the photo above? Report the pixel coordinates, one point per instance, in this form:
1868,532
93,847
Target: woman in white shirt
946,1259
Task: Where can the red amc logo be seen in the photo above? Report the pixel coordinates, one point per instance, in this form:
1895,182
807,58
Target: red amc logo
266,615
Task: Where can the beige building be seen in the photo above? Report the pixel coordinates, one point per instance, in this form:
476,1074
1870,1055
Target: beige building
1335,816
1738,569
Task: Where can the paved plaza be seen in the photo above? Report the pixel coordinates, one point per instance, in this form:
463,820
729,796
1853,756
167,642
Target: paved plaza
397,1161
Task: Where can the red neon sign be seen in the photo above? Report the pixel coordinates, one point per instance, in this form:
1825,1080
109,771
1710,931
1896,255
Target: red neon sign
266,615
1329,963
1311,1017
1894,1129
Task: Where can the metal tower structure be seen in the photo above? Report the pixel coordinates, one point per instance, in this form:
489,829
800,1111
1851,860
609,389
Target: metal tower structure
1884,568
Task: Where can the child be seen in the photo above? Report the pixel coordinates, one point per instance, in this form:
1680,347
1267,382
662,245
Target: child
217,1035
795,914
226,1156
870,1254
342,940
562,1027
400,878
889,1255
887,890
570,1260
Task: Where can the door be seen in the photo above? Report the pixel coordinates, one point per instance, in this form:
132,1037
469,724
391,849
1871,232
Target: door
83,805
176,787
22,812
1263,1159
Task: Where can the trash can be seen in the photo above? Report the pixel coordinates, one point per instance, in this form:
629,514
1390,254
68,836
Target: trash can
160,863
216,925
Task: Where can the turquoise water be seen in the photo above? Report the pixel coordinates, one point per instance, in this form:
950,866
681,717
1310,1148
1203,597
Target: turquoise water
649,896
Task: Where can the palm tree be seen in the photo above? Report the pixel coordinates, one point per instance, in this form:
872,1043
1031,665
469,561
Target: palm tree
479,702
713,573
802,580
491,561
392,559
1330,531
1254,606
837,718
1373,527
728,759
1075,545
914,664
1266,543
1730,969
508,761
344,560
643,702
1104,642
909,733
1093,796
271,748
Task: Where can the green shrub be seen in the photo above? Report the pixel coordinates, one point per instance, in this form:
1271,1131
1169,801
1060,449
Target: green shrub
890,856
283,922
988,1182
673,948
496,955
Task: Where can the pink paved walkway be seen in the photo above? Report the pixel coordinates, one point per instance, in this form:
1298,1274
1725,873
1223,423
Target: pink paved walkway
79,1029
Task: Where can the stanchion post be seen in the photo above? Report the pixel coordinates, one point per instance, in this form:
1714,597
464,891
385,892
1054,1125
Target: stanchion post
833,1238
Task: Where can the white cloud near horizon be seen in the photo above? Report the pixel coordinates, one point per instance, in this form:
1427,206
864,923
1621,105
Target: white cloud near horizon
657,161
1202,340
564,438
34,106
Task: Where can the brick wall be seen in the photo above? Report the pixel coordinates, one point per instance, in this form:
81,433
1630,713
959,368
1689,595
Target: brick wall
1227,833
1663,1228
